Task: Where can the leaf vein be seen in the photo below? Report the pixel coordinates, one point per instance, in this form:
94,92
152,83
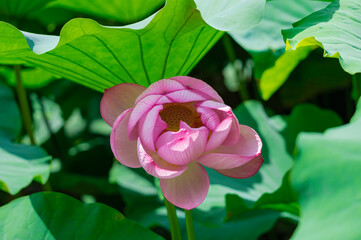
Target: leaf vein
115,57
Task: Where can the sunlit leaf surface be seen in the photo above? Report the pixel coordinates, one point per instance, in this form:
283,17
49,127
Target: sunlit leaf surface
20,165
278,15
52,215
335,29
266,37
100,57
231,15
265,42
326,178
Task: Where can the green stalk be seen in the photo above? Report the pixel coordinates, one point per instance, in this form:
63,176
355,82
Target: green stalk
227,43
24,104
231,54
189,223
173,220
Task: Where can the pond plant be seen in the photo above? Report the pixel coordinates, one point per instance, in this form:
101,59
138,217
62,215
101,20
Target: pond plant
180,119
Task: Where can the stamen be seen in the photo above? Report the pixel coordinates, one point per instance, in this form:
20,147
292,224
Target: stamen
174,113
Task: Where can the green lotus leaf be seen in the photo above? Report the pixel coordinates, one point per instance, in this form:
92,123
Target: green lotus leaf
167,44
50,215
335,29
265,42
20,165
50,12
231,15
123,11
327,177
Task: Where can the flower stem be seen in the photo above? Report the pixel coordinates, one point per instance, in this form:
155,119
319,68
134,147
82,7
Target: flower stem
231,54
24,104
227,43
189,223
173,220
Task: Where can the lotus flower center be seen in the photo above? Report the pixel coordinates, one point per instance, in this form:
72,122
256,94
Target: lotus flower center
172,114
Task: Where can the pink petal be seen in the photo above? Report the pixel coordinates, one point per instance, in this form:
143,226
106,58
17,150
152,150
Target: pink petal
184,146
159,127
161,87
245,171
198,85
224,112
189,189
248,147
216,105
249,143
163,100
125,151
156,166
185,96
209,118
223,161
141,108
150,127
219,134
117,99
233,135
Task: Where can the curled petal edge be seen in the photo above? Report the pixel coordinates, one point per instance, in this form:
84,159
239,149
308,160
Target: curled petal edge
245,171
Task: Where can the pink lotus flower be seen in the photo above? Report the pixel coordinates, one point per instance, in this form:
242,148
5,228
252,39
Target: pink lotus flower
173,128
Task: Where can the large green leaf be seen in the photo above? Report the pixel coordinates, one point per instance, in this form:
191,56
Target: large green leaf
231,15
282,200
50,215
20,165
335,29
249,226
266,38
100,57
59,11
10,123
278,15
123,11
327,178
265,43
